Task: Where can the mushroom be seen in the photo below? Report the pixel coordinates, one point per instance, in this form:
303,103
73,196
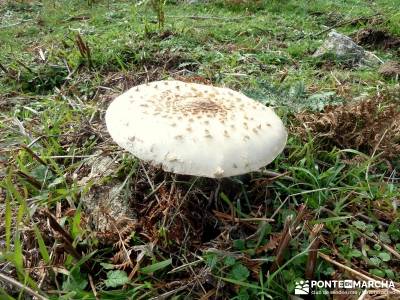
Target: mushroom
195,129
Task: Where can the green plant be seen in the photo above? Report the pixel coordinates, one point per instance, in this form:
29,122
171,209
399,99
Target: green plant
159,8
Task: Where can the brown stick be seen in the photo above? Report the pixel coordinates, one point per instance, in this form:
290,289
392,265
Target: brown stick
21,286
65,236
344,22
84,49
287,232
354,272
312,256
26,67
225,216
40,160
3,68
30,179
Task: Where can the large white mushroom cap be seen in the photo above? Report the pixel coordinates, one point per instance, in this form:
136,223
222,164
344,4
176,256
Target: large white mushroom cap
195,129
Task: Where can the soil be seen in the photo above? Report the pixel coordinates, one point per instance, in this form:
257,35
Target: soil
390,69
376,39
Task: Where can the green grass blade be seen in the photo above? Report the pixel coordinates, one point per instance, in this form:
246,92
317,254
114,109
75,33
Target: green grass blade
156,266
8,217
42,246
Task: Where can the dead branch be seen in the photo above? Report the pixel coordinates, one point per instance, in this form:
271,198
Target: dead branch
312,256
21,286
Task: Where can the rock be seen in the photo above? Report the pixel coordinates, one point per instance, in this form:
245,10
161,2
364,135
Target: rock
343,48
390,69
107,199
107,203
100,167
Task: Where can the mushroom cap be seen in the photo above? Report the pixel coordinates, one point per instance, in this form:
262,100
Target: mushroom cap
195,129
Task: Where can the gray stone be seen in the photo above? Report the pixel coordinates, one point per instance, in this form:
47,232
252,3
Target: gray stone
343,47
107,199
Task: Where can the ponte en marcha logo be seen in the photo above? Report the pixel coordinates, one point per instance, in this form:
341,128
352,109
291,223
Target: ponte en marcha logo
347,286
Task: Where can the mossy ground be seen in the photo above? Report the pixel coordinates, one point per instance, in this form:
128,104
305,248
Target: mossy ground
193,238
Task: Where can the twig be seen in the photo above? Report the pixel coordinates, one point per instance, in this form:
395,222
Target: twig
370,161
312,256
229,217
65,236
153,189
30,179
92,286
354,272
209,18
21,286
26,67
362,296
209,294
36,157
276,175
287,233
84,49
376,241
15,24
3,68
344,22
285,238
147,197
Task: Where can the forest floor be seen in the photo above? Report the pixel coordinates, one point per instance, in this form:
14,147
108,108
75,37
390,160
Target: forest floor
82,219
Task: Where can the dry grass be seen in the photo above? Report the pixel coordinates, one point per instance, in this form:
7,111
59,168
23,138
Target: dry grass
371,126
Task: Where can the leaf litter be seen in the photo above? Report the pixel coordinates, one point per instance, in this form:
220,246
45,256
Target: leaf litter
371,126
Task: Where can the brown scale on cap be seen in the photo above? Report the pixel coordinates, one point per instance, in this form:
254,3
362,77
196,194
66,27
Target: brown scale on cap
197,104
226,134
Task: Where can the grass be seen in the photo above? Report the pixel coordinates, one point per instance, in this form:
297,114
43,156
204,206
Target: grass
81,219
